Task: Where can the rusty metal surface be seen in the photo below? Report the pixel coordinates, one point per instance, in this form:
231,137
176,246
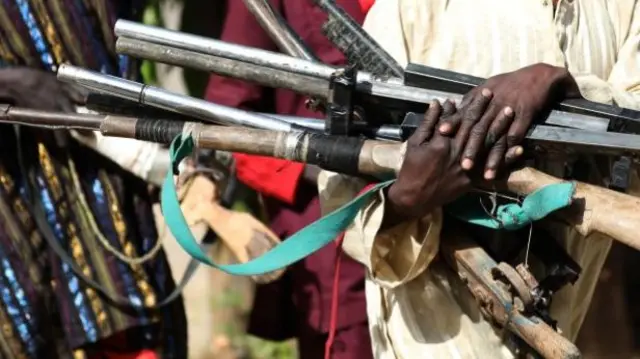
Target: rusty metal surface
514,283
499,299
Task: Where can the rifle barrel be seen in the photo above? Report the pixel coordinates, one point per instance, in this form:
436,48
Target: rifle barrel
49,120
197,108
337,153
214,47
155,97
261,75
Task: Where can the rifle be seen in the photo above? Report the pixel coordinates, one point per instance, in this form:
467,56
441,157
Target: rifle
359,96
369,88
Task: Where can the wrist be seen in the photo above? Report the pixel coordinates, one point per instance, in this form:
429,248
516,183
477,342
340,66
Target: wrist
400,206
392,214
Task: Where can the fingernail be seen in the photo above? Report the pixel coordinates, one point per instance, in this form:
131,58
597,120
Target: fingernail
508,111
445,128
467,164
433,103
518,150
486,92
489,174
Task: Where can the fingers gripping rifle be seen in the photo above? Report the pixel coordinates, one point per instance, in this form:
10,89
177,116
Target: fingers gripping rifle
363,50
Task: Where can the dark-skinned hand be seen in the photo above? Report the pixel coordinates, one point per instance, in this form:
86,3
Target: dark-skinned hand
431,174
38,90
517,99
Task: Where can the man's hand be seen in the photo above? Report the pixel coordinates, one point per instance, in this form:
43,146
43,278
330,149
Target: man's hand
517,99
431,174
39,90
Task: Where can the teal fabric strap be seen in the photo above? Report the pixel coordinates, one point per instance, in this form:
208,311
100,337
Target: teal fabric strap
300,245
512,216
321,232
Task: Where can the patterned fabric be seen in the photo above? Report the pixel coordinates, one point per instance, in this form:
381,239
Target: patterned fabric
45,307
417,306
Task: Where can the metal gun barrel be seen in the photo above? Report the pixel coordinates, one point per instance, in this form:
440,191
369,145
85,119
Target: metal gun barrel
261,75
209,46
167,100
109,104
387,132
195,43
49,120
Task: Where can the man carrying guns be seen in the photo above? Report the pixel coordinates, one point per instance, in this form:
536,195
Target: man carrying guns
538,52
443,280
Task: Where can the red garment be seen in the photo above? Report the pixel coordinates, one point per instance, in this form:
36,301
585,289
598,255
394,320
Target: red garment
145,354
366,5
353,342
274,177
300,303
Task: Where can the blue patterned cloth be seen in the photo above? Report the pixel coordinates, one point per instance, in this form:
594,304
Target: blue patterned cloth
45,307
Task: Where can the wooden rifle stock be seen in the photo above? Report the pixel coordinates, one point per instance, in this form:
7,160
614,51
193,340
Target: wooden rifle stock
595,209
